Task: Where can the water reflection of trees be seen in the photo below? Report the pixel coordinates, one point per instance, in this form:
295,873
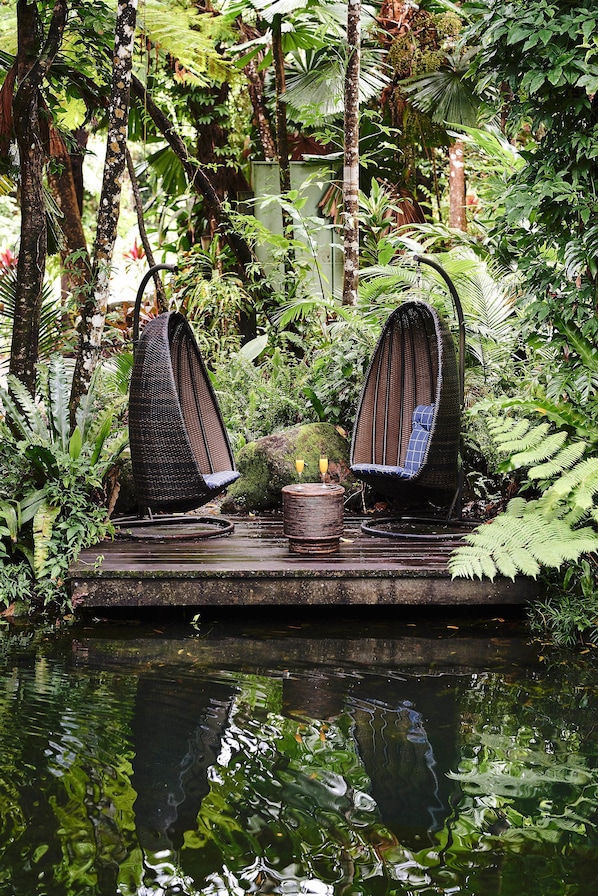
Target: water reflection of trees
315,781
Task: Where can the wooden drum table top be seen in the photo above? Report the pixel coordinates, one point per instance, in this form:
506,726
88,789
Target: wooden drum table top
313,517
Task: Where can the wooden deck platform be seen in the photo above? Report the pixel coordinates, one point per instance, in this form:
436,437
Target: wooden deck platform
254,567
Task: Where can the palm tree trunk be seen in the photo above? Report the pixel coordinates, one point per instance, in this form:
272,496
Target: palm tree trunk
282,137
457,215
351,167
33,242
93,310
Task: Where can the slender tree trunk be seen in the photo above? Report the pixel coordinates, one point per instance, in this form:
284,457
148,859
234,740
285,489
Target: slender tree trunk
75,257
256,94
351,165
457,213
93,310
149,255
282,137
197,180
31,70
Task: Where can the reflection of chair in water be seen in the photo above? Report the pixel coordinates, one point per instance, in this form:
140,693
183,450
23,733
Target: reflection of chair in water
180,452
399,759
407,428
177,730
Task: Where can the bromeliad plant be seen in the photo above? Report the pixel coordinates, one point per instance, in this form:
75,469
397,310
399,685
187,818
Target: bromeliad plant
54,493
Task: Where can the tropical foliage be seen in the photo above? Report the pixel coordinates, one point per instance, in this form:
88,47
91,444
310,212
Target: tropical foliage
546,531
513,86
55,488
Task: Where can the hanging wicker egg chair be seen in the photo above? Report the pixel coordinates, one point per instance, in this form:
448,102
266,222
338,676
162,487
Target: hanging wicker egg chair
406,436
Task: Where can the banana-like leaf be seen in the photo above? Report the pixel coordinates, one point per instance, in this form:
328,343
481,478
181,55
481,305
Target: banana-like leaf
75,443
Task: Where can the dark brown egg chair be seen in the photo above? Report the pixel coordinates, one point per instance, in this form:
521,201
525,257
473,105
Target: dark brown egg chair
180,452
406,436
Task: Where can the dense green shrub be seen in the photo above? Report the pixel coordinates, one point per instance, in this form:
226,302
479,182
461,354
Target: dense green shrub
54,492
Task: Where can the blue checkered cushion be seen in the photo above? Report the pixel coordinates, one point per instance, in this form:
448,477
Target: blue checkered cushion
422,418
420,435
220,480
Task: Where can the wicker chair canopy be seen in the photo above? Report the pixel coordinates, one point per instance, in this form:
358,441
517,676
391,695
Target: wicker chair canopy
406,436
180,452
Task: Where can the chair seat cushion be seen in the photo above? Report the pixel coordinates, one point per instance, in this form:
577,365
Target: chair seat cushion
422,419
380,470
220,480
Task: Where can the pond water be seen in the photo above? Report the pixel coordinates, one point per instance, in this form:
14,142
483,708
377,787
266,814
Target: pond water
296,756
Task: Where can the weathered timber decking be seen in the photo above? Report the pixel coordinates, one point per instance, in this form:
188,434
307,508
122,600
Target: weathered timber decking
253,566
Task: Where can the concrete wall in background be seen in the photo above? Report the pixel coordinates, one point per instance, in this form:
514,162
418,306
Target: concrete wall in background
323,252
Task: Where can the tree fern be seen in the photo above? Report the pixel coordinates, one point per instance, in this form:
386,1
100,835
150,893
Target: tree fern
563,460
546,531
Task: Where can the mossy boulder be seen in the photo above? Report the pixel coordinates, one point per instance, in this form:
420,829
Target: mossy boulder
268,464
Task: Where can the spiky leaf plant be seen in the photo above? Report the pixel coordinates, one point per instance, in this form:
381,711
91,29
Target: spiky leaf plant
53,496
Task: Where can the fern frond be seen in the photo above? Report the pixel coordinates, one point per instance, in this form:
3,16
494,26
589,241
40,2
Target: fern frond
545,448
470,562
526,441
505,428
182,38
578,485
564,460
521,540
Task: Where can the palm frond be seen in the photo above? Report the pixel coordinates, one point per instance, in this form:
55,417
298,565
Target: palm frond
445,94
51,325
187,37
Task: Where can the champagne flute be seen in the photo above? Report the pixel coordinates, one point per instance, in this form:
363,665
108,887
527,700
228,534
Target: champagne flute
299,466
323,466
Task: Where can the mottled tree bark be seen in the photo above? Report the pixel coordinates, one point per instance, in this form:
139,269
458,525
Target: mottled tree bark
93,309
351,163
32,67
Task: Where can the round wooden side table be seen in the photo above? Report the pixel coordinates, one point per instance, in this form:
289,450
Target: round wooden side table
313,517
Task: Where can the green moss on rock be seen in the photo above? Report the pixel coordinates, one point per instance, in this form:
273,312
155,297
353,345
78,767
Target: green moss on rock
268,464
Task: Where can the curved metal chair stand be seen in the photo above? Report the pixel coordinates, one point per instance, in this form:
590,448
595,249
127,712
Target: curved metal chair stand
180,452
406,437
